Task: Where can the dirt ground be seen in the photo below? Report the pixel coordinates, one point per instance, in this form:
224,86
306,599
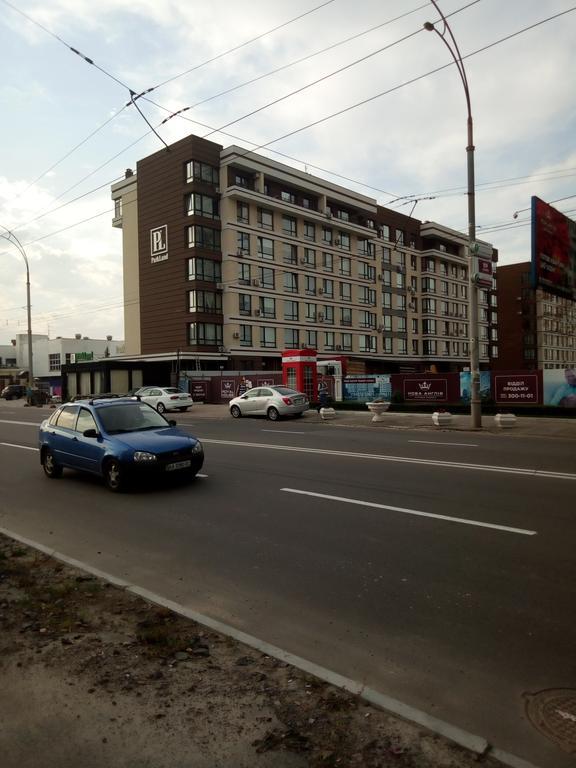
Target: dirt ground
91,676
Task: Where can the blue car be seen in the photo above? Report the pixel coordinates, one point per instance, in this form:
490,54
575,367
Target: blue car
118,439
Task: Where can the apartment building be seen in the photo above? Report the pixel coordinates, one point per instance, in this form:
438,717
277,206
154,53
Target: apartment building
234,257
540,326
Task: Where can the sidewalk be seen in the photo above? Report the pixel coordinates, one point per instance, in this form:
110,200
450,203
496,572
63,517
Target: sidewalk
526,426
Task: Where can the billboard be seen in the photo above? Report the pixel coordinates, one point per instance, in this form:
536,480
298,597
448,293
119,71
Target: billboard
366,387
560,387
519,389
553,250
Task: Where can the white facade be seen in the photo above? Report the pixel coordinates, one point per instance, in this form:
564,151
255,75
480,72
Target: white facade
48,355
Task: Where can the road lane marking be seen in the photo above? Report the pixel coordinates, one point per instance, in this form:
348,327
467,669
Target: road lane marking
540,473
24,423
418,513
430,442
283,432
25,447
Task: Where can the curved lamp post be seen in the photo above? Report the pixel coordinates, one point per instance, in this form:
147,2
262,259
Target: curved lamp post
450,42
11,238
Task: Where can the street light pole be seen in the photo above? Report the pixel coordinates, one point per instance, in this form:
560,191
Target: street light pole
11,238
452,45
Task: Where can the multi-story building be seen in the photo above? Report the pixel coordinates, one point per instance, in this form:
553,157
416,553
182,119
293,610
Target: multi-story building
234,257
540,326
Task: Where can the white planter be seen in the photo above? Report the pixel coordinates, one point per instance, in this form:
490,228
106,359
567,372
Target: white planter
441,419
327,413
505,420
378,409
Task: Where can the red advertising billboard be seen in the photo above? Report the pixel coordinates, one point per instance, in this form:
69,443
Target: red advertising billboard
553,250
517,388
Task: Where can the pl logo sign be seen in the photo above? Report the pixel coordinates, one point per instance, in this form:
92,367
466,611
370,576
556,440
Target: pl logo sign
159,244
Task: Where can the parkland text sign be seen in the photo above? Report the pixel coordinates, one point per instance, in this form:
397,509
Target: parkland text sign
159,244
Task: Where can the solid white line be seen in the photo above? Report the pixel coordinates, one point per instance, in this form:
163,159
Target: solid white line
24,423
283,431
199,475
25,447
430,442
399,459
416,512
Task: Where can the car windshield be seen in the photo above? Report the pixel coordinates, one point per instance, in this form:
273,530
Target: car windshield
117,419
285,391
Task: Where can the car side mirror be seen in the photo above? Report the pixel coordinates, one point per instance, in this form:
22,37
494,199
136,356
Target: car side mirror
172,423
244,397
90,433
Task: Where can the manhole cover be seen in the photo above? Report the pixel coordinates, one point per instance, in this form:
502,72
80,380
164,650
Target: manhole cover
553,713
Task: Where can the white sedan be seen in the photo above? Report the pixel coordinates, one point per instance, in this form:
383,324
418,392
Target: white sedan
269,401
165,398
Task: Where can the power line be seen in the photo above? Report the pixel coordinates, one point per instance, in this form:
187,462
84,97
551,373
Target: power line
235,48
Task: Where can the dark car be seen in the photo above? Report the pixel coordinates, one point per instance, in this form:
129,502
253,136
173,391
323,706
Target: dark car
13,392
120,440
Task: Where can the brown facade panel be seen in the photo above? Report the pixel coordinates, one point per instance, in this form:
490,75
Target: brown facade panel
163,187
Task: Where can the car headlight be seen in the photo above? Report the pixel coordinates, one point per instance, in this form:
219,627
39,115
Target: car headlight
144,456
197,447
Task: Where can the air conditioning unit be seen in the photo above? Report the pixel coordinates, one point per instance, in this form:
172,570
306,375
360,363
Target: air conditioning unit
217,190
337,241
380,277
256,283
410,289
243,281
411,305
328,213
221,349
320,290
257,312
442,248
219,286
339,347
235,335
320,316
303,260
380,328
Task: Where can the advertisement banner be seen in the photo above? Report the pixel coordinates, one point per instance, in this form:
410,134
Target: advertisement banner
199,391
560,387
553,250
227,388
519,389
466,386
425,390
366,388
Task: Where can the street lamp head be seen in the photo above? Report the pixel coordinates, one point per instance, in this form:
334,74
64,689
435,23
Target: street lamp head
429,26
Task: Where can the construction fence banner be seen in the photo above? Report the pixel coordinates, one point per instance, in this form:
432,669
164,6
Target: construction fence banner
366,388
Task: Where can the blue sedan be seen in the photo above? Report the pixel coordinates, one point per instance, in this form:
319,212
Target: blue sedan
119,440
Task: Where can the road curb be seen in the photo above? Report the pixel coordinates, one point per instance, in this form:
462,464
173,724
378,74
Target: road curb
462,738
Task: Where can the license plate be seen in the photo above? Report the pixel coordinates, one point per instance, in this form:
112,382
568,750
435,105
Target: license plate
178,465
298,400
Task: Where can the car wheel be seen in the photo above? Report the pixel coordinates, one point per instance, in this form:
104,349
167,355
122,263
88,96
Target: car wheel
51,467
235,411
160,407
273,414
113,475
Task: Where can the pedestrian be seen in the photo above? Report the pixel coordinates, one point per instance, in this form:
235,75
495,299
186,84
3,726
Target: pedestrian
323,396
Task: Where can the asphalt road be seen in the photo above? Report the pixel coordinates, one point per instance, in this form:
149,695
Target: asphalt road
437,568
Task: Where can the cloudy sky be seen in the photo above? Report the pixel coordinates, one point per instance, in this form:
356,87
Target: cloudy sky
66,133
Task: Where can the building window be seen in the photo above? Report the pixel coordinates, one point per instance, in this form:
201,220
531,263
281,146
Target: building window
310,285
367,295
328,288
329,341
245,335
291,311
244,274
387,300
429,346
414,325
204,269
310,312
290,282
386,255
327,262
400,280
204,301
401,321
289,225
367,320
309,231
53,362
387,278
429,306
309,257
366,248
267,307
243,243
385,232
428,285
367,272
387,345
266,276
429,327
288,197
203,237
118,208
367,343
265,218
328,314
267,336
387,323
345,316
291,338
245,304
345,291
202,205
346,342
197,171
242,213
402,346
327,235
311,339
343,240
266,248
289,253
205,334
345,266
